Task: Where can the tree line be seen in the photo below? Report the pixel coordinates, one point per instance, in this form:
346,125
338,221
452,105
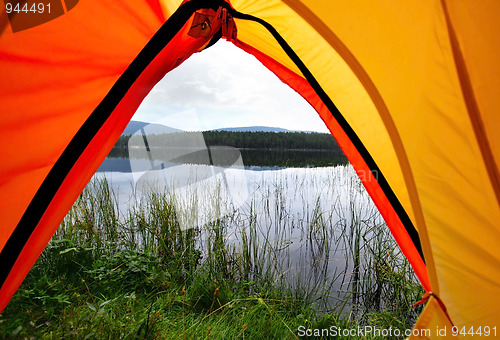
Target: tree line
246,140
272,140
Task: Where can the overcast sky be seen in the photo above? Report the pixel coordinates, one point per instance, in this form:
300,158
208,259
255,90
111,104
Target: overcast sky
226,87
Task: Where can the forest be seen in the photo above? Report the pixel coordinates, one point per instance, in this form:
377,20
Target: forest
247,140
272,140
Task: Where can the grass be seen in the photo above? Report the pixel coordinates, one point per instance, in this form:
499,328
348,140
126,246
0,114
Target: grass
136,274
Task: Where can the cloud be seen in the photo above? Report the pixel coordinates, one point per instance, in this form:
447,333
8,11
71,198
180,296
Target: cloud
228,87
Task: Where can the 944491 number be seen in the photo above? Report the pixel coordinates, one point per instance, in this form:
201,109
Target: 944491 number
32,8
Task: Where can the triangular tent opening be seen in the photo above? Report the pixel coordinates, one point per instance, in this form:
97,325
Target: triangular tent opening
408,91
224,87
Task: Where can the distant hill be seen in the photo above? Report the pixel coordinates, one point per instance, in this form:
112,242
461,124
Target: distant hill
257,129
157,129
150,129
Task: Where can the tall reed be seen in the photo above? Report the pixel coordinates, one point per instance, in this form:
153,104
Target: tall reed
314,235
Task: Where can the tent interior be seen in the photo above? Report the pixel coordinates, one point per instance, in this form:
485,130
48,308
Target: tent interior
409,92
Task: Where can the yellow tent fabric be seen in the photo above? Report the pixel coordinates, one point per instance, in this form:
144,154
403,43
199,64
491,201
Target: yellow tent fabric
416,81
428,69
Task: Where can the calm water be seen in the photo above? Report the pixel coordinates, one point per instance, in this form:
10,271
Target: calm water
307,218
256,159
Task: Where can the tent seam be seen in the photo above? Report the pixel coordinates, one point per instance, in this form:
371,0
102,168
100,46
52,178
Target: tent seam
472,106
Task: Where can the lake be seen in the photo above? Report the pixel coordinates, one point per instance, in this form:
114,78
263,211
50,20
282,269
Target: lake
314,227
253,159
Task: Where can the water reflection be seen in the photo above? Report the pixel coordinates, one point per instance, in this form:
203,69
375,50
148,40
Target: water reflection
255,159
301,217
309,228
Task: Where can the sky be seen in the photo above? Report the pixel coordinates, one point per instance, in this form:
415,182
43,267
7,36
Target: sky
224,86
